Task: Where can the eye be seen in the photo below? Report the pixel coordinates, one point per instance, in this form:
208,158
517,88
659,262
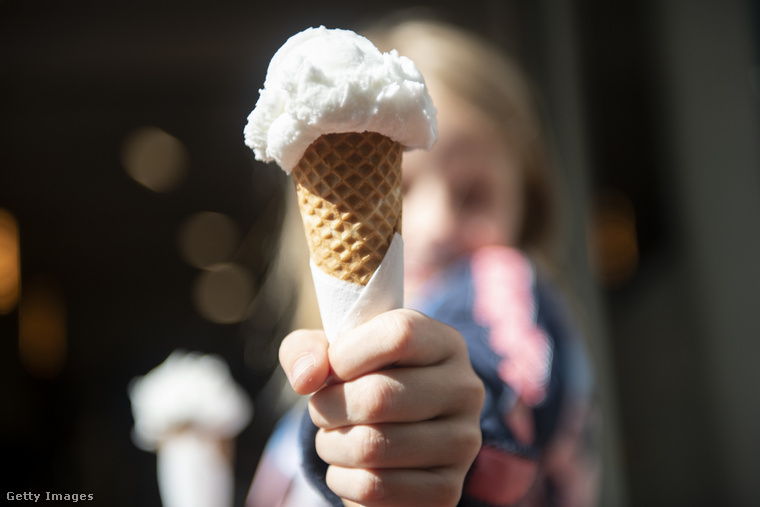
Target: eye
473,197
406,185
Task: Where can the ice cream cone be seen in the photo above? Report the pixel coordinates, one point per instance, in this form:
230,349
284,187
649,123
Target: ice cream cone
349,194
336,113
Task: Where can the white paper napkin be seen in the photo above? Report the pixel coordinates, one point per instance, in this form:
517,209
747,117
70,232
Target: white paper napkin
344,305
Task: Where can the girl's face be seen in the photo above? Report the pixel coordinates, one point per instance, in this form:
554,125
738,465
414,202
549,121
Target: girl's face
463,194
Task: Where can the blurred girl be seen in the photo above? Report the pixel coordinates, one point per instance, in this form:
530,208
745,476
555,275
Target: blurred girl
478,230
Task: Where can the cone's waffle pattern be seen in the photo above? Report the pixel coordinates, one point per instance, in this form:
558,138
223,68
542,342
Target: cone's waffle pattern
349,193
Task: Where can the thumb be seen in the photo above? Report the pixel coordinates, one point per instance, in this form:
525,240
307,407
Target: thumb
303,356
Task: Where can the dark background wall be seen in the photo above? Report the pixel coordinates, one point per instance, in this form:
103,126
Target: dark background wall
654,109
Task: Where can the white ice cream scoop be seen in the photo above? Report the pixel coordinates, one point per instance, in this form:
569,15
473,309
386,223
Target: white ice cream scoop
324,81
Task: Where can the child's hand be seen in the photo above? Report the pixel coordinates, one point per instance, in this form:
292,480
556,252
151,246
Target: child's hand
399,417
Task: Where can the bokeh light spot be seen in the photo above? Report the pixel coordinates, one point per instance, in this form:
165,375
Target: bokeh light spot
154,158
613,240
208,238
223,293
42,327
10,263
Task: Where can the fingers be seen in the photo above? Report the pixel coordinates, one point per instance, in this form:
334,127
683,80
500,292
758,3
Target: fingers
400,424
303,356
398,395
398,338
396,487
400,445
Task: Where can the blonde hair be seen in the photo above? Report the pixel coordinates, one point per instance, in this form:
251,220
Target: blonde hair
488,79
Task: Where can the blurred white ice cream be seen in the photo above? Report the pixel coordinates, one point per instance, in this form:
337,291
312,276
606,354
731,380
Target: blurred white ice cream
189,410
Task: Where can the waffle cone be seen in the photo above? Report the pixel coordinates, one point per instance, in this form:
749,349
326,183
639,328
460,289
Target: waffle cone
349,194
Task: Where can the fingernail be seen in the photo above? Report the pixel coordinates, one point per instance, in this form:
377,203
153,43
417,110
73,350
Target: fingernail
300,370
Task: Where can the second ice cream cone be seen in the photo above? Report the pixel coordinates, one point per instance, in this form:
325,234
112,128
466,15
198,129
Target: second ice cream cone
349,193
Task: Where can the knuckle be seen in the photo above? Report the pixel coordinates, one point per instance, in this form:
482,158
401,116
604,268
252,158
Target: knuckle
468,398
471,390
373,446
370,488
405,327
451,494
472,440
476,392
464,446
378,399
448,489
